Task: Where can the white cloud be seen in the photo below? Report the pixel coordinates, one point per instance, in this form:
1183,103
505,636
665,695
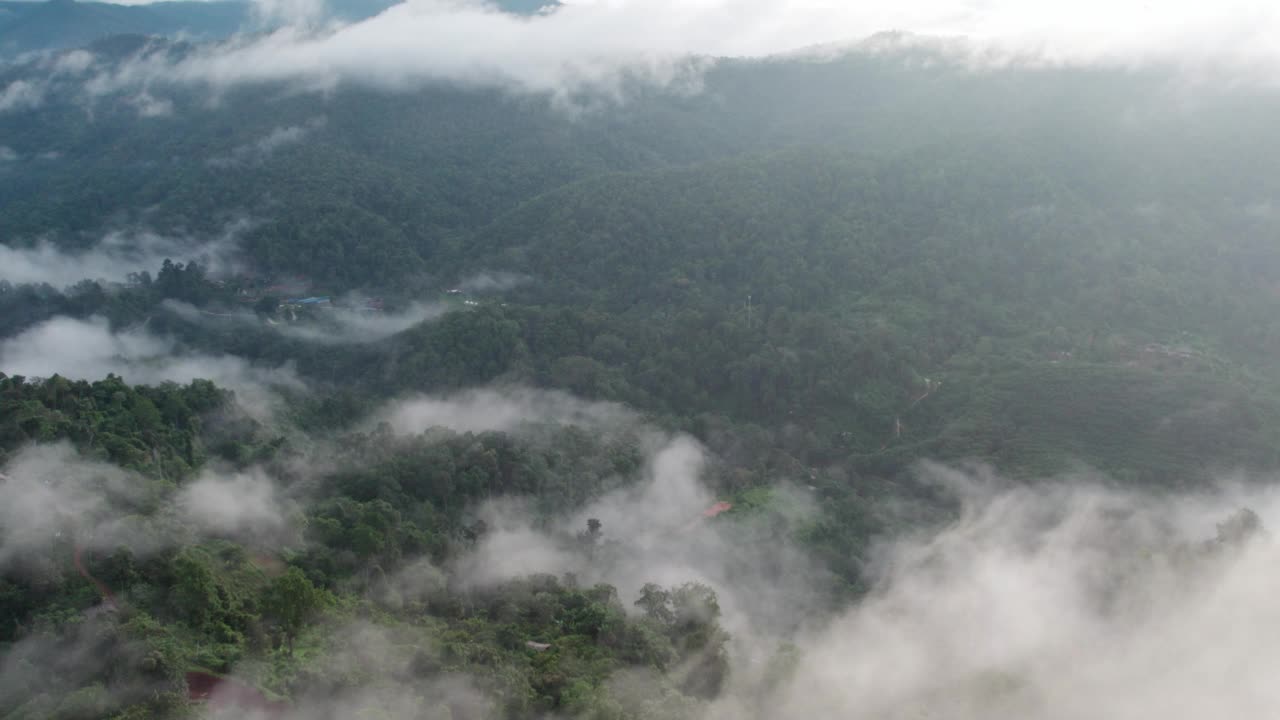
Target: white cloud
1065,600
337,325
651,516
48,492
21,95
592,44
343,325
116,256
73,62
150,106
498,410
244,505
656,519
654,530
266,146
89,350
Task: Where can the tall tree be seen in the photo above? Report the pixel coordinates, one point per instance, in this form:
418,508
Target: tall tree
292,599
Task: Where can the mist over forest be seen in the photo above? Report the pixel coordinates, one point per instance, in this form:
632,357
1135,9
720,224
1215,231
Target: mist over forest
619,360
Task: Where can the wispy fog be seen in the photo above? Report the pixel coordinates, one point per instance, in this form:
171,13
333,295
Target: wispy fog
375,660
263,148
346,325
1061,600
49,493
337,325
90,349
21,95
244,505
53,498
498,409
116,256
595,44
484,282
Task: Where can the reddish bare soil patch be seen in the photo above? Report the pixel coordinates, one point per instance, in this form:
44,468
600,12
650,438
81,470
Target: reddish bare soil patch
77,558
226,694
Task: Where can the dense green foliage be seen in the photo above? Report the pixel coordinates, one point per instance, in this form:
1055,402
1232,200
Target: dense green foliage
152,430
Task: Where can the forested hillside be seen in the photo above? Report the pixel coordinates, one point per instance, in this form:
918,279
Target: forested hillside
457,402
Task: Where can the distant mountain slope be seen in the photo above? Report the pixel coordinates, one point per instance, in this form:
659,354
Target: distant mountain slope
63,24
59,24
525,7
872,278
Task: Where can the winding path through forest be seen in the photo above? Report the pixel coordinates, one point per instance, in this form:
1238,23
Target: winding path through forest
929,388
108,597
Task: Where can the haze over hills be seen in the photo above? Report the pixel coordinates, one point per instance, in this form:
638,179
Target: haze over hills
32,25
59,24
626,362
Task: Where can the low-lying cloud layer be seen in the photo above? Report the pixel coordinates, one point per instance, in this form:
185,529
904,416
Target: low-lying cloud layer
343,324
21,95
656,530
90,349
49,493
116,256
595,45
1061,601
502,410
52,497
337,325
242,505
